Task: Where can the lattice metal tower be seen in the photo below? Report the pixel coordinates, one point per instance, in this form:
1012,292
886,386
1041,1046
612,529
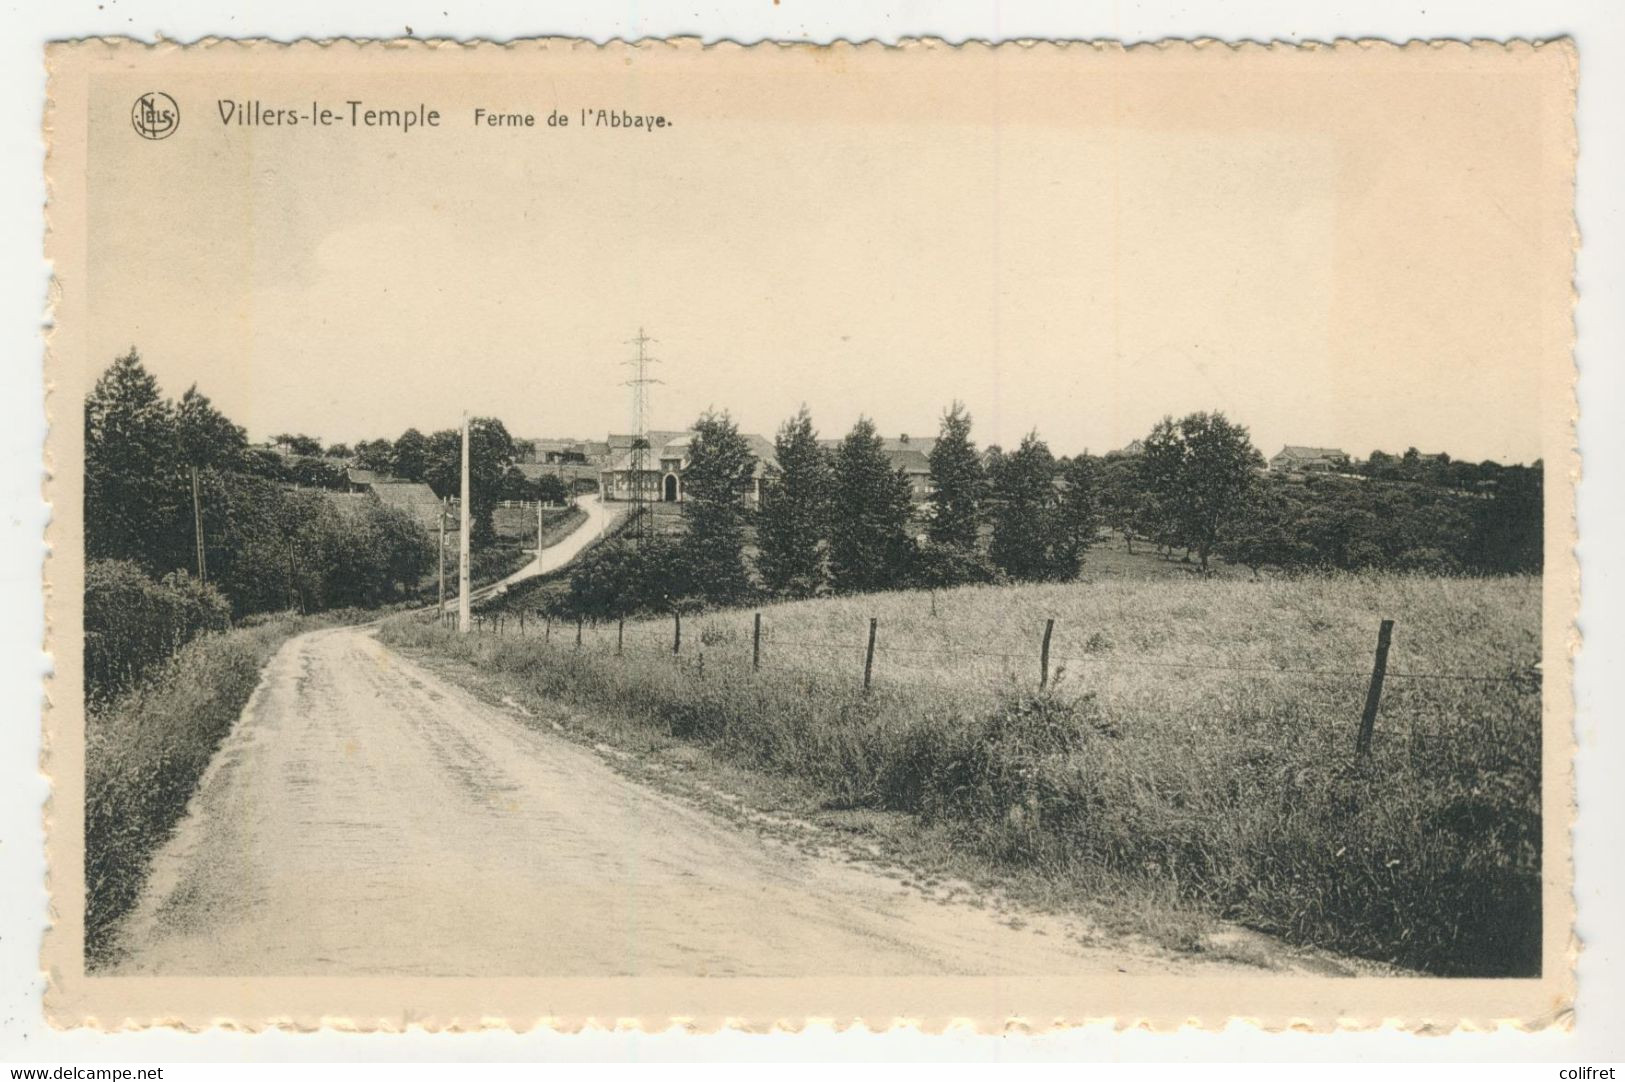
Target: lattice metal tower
640,384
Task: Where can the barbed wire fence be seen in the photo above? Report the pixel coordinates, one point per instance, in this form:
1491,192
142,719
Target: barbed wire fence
866,661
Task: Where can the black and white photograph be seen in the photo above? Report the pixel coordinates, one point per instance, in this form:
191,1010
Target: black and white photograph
654,531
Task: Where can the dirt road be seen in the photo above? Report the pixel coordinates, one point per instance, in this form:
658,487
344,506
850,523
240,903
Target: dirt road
366,817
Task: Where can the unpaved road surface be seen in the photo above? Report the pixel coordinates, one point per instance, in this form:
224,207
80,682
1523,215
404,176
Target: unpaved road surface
600,517
366,817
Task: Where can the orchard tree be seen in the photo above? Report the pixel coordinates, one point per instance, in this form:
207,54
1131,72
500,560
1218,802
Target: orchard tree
958,483
793,525
870,547
1201,468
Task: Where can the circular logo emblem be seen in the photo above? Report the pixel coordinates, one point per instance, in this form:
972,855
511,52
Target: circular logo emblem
155,115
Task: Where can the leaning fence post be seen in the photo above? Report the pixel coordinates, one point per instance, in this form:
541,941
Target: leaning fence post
1373,695
869,655
1043,655
677,631
756,645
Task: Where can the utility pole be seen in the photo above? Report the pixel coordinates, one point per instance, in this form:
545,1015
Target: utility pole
441,611
538,525
640,383
197,526
464,618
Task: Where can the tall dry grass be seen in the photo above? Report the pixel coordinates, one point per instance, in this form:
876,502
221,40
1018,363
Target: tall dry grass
1199,736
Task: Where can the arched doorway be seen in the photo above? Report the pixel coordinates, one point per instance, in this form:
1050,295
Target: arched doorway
671,488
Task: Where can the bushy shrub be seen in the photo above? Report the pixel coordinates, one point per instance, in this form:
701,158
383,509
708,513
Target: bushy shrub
133,623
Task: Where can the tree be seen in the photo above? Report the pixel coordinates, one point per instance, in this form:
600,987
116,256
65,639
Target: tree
207,438
1260,533
1025,523
490,453
793,525
957,481
134,499
339,450
411,455
1201,468
377,455
718,474
1077,513
870,548
296,444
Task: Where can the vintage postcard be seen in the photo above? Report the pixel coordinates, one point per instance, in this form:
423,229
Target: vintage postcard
548,534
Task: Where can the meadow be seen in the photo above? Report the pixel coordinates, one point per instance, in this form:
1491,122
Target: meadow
1197,737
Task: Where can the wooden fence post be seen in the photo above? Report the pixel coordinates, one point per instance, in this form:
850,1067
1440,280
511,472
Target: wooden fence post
620,635
1373,695
578,630
1043,655
756,645
677,631
521,622
869,656
547,630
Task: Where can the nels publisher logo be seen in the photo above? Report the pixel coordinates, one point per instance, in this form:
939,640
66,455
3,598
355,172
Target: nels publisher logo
155,115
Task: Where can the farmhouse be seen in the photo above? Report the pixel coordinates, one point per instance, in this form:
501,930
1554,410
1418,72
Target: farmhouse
1295,459
661,478
416,499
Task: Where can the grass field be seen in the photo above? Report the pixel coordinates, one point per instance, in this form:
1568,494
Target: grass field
1197,737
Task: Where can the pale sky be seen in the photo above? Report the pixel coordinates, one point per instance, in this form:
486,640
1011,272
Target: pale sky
1075,244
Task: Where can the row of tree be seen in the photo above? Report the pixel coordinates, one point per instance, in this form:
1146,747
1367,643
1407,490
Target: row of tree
842,519
268,544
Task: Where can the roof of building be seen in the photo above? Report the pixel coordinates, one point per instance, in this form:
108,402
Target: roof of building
909,460
677,447
413,497
1295,451
622,441
358,476
923,444
534,470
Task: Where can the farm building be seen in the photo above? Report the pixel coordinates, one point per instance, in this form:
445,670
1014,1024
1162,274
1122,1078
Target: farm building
413,497
661,478
579,476
1294,459
911,455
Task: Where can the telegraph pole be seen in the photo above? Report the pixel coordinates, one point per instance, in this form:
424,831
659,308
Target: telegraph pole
441,611
197,526
538,525
464,617
640,383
